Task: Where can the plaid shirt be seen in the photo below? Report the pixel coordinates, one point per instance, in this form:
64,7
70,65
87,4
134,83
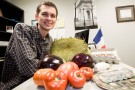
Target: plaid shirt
26,47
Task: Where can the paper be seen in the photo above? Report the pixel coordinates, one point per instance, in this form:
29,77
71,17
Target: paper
125,13
60,23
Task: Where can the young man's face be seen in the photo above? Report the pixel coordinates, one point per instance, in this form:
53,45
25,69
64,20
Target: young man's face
46,18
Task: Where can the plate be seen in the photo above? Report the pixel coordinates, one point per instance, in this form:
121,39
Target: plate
128,84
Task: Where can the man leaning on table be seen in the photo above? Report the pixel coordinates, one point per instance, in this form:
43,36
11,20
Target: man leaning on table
28,45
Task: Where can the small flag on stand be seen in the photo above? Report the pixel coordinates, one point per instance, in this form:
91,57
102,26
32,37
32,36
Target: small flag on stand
99,40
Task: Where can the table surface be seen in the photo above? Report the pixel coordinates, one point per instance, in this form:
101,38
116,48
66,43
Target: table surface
29,85
90,85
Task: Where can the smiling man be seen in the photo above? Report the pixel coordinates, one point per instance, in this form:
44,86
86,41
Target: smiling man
28,45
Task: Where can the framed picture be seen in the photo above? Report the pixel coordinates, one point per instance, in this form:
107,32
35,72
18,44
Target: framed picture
9,29
85,16
125,13
33,22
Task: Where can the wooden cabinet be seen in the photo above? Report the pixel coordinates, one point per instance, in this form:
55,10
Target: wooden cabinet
11,15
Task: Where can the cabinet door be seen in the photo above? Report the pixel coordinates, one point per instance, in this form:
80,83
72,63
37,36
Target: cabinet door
12,12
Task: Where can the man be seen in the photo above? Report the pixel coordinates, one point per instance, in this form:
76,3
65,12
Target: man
28,45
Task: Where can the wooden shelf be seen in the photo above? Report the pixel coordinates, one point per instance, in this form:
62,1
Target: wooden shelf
3,43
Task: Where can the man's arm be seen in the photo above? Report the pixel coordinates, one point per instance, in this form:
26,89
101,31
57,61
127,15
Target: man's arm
25,54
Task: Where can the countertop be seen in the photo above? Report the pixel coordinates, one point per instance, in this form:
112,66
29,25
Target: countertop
29,85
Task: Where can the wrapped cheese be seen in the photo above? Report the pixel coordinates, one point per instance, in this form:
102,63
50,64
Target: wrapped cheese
115,75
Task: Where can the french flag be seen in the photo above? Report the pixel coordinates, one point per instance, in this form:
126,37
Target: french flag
99,40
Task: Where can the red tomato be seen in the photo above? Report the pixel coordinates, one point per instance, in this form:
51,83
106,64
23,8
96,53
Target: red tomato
68,67
75,65
77,79
87,72
38,76
55,80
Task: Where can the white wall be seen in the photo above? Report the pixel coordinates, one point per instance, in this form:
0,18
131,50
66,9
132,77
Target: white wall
116,35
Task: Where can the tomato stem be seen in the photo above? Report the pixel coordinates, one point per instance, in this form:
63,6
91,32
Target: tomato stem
86,69
78,75
57,78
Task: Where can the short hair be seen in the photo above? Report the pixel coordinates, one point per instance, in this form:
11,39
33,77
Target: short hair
47,3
